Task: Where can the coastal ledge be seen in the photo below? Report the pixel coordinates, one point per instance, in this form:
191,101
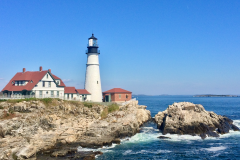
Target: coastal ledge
188,118
48,128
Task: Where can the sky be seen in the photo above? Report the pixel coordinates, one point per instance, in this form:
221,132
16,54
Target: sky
154,47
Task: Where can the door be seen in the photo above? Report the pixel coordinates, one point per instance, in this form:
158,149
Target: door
106,98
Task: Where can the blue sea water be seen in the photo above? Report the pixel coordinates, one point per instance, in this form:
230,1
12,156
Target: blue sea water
146,145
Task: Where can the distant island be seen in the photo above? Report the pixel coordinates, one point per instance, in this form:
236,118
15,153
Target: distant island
212,95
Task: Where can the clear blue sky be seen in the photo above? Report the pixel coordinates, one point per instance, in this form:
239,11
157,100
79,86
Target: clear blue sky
147,47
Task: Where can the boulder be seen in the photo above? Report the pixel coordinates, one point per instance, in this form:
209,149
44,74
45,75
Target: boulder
188,118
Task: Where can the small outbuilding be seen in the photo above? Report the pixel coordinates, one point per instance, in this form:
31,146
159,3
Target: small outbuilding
117,95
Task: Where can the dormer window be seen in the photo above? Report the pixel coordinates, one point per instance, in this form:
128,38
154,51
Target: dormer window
47,76
31,81
12,82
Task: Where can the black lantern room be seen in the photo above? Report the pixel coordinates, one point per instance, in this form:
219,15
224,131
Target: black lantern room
92,45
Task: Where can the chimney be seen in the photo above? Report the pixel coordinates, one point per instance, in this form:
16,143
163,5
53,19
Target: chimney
49,70
24,70
40,69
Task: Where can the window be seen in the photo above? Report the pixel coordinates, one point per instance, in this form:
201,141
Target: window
126,96
72,96
40,93
67,96
31,81
47,92
47,76
43,84
97,82
58,93
12,82
49,84
120,96
57,82
52,93
16,83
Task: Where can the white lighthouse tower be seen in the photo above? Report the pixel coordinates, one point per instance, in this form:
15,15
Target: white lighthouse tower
92,79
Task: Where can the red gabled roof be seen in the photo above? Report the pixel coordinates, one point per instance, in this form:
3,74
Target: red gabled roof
83,91
29,76
70,90
61,82
117,90
26,76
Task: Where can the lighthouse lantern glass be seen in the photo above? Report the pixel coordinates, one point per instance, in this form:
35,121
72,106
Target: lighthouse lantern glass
92,42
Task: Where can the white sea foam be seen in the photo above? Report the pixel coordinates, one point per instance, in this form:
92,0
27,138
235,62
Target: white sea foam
237,123
215,149
85,149
129,152
103,149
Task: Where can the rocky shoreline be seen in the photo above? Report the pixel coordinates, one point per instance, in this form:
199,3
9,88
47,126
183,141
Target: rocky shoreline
50,129
38,129
188,118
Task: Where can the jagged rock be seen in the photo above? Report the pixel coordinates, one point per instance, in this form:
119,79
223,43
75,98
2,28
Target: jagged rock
193,119
116,140
163,137
37,128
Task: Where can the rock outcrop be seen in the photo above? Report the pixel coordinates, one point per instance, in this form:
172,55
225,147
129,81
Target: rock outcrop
30,128
188,118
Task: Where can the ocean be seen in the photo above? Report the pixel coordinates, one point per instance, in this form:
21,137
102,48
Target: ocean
146,145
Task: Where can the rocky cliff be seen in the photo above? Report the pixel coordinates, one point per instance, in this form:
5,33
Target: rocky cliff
188,118
38,126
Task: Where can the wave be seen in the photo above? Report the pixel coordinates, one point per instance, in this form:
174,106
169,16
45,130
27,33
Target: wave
215,149
151,134
128,152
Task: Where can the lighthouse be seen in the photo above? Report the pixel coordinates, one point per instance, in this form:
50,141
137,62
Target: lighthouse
92,79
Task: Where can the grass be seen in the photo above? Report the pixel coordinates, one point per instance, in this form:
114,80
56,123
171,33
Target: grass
46,101
111,108
104,113
21,100
76,103
88,104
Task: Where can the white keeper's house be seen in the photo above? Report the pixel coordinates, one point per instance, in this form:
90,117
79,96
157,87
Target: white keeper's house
42,84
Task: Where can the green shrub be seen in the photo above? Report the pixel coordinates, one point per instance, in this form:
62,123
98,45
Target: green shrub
3,100
113,107
87,104
1,107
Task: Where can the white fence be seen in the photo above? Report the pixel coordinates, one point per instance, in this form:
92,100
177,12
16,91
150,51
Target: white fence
40,96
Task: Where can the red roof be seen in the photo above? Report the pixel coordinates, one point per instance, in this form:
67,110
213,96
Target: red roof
83,91
34,76
26,76
117,90
70,90
61,82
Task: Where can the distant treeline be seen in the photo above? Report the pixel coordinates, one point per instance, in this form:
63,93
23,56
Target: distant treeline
209,95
